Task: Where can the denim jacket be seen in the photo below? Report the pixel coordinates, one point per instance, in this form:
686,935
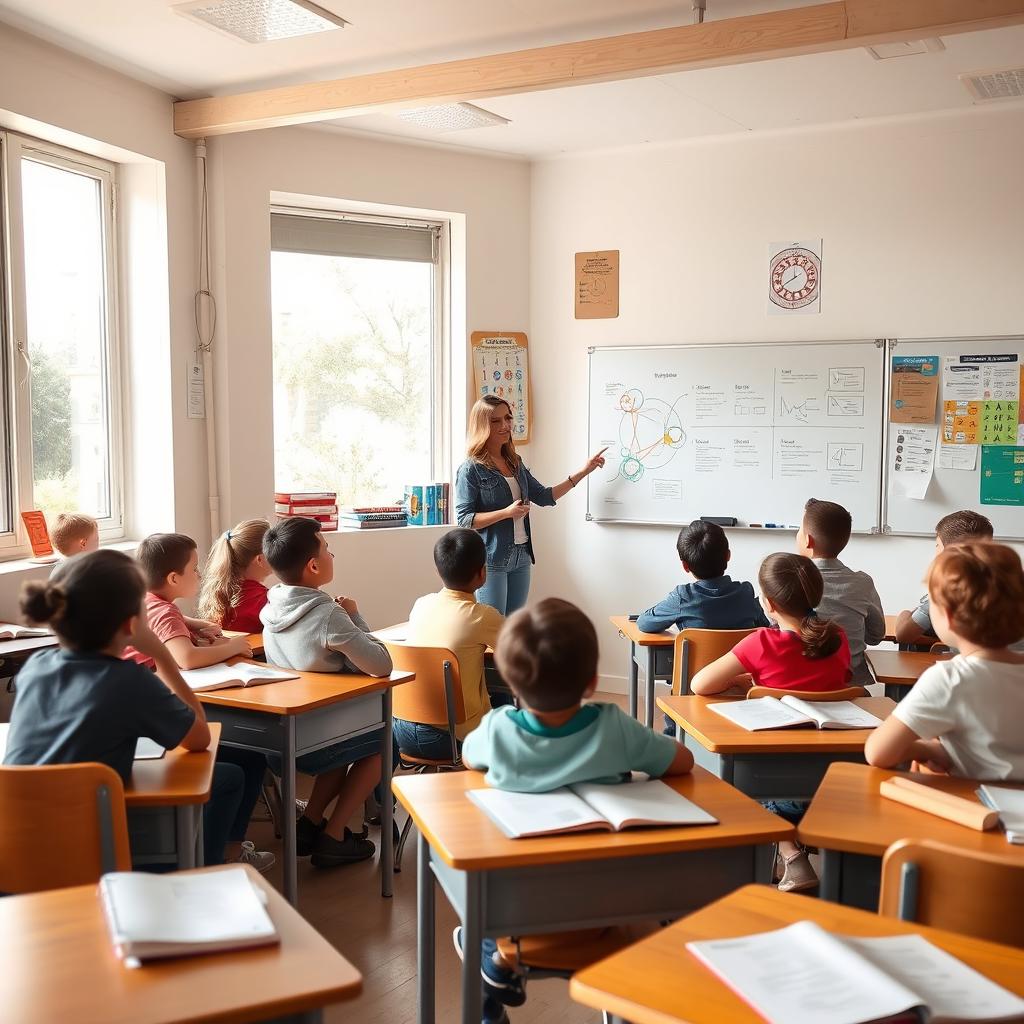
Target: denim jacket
478,488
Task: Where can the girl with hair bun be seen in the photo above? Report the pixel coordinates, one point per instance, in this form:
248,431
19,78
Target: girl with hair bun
233,593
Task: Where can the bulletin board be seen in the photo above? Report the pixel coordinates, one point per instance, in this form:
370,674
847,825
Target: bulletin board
501,367
979,380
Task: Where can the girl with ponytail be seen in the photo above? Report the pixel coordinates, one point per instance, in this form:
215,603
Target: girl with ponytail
233,593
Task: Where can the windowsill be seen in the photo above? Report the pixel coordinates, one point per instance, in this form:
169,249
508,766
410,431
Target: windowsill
26,565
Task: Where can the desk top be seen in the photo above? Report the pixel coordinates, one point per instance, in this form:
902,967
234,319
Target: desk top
310,691
849,814
60,965
721,736
255,639
657,981
902,668
399,634
466,838
26,645
639,637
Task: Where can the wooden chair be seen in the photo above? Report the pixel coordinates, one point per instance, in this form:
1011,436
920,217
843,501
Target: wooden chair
694,649
434,696
943,886
846,693
62,825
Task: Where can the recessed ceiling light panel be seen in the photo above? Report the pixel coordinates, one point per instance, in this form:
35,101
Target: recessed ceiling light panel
261,21
995,85
452,117
886,51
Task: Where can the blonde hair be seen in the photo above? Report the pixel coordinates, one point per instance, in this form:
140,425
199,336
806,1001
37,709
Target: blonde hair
480,430
69,528
230,556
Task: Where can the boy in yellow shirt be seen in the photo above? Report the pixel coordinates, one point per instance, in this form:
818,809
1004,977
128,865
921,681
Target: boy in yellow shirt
453,618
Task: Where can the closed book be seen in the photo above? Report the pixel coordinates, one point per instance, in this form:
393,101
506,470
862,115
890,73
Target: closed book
320,517
431,502
361,517
306,497
445,498
372,524
414,504
358,510
305,510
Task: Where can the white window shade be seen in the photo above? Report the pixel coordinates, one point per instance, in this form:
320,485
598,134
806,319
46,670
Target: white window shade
324,236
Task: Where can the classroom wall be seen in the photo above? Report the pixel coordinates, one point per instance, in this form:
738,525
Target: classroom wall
922,221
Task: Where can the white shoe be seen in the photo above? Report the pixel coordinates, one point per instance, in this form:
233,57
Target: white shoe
261,860
300,808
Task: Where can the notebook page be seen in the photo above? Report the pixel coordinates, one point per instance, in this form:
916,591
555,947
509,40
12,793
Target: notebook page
526,814
213,675
760,713
843,711
148,750
800,974
947,986
1010,805
650,801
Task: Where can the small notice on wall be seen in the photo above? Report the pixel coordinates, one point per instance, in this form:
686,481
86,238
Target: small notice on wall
915,388
597,285
196,391
913,460
1002,475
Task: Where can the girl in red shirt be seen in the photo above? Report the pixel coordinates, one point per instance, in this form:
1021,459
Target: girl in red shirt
233,592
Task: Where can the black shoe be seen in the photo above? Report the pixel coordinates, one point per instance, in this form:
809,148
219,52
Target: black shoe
306,833
329,852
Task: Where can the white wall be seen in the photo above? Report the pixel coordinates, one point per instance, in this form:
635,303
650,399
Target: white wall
923,228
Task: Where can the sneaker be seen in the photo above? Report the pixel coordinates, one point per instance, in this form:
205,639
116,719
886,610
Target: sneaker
798,875
329,852
261,860
494,1012
306,833
300,808
501,983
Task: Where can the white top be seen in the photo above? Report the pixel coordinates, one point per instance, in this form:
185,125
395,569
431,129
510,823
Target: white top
518,525
975,707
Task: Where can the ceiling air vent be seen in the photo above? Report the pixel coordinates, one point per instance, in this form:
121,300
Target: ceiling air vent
261,21
995,85
452,117
907,48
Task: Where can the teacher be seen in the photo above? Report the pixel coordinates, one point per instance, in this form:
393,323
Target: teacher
493,494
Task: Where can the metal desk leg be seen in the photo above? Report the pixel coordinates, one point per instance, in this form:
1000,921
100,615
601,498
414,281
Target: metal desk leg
424,932
634,682
472,936
831,875
184,836
198,819
649,689
291,881
387,806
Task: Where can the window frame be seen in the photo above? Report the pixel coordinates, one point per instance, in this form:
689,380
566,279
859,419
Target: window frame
17,405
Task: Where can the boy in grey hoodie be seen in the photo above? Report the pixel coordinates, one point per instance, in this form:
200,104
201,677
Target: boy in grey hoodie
307,630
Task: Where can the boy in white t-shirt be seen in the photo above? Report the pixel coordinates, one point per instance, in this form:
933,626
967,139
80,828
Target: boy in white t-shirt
964,716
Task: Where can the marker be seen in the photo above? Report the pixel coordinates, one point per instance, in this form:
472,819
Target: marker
772,526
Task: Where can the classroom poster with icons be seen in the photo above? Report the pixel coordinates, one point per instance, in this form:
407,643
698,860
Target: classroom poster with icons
501,367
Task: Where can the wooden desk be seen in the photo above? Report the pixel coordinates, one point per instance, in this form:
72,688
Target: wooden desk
657,981
899,670
60,966
890,628
657,664
774,764
164,800
296,716
255,640
853,825
14,653
500,886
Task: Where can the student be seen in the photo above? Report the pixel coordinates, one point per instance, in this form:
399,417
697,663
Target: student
714,601
81,702
453,618
915,626
964,715
548,655
306,630
849,597
75,532
233,593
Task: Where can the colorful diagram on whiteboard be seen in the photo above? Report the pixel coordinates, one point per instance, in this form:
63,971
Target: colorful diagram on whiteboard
650,433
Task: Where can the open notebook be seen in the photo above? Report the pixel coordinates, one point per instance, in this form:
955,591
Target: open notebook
221,677
12,631
781,713
1010,805
847,980
586,807
155,916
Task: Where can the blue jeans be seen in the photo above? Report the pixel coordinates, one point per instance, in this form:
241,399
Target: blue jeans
237,780
507,587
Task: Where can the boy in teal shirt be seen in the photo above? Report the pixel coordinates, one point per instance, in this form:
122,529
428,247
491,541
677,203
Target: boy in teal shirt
548,655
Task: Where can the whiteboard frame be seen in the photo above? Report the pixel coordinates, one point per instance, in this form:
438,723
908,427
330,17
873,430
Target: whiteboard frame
879,343
892,348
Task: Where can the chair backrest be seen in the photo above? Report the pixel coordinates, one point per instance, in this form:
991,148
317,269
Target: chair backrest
846,693
61,825
696,648
944,886
428,698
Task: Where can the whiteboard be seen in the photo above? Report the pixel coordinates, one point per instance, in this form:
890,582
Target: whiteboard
950,489
743,431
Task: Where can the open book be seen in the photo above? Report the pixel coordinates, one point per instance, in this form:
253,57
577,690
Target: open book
154,916
588,806
222,677
781,713
12,631
1010,805
803,973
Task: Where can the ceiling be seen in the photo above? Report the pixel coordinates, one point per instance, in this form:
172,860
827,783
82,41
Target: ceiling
146,40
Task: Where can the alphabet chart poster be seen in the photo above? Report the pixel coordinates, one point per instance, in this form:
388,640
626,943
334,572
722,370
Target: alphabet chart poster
501,367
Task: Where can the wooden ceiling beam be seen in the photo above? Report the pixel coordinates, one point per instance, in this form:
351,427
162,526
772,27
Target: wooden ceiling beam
822,28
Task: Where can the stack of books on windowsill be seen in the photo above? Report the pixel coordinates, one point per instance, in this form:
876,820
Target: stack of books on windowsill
372,517
319,505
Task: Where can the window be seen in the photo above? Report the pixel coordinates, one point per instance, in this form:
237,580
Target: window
358,378
60,351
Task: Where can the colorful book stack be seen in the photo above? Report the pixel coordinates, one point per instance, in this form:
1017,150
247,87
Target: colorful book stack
319,505
372,517
427,504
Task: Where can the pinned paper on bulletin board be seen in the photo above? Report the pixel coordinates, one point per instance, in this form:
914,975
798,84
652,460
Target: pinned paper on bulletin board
1002,475
501,367
597,285
999,422
961,422
915,389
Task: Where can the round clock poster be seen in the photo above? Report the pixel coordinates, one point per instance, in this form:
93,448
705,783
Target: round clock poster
794,277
